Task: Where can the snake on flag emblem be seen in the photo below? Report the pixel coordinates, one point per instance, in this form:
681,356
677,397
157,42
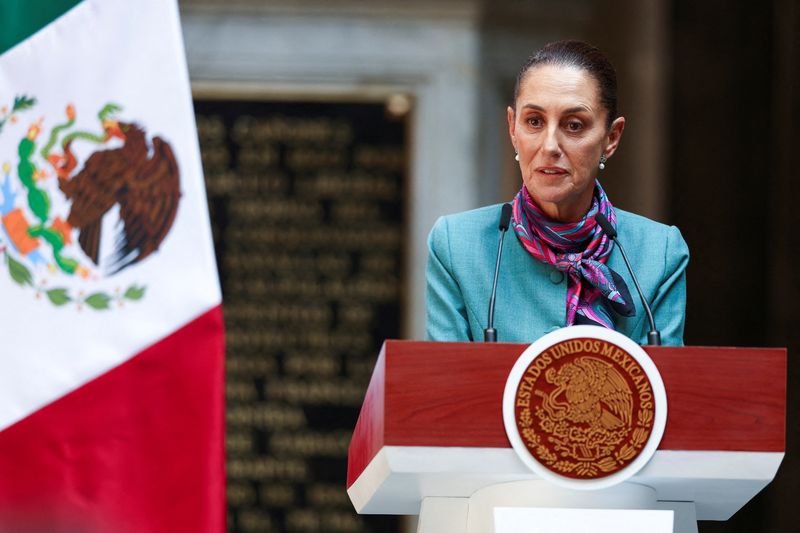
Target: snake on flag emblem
82,205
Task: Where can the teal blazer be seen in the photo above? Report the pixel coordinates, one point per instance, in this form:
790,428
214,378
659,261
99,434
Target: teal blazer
531,295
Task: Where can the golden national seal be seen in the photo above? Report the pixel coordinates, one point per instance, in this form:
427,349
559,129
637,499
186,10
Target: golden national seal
584,408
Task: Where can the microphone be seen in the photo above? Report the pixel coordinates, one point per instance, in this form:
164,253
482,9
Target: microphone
654,336
490,334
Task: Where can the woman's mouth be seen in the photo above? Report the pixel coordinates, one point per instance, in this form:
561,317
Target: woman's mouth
551,170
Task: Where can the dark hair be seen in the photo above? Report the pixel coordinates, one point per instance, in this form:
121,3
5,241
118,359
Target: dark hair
583,56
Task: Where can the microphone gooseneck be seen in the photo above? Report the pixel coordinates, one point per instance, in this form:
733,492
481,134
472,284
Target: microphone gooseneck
654,336
490,334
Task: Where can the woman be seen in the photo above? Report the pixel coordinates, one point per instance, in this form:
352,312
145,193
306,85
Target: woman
560,268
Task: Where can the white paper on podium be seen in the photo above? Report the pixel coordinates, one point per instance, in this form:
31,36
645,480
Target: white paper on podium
558,520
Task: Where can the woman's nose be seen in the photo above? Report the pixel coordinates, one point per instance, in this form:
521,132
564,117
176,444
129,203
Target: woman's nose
552,144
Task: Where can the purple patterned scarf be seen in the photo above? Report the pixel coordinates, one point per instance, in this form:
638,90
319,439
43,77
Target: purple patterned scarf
579,249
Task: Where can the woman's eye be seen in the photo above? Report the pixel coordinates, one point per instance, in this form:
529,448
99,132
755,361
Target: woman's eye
574,125
535,122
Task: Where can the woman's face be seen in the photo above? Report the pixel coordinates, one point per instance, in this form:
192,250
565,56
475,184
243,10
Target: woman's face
559,131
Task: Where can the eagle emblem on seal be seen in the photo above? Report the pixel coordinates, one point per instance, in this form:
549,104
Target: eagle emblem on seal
591,392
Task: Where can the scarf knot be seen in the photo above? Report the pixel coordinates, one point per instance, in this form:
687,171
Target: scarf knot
580,250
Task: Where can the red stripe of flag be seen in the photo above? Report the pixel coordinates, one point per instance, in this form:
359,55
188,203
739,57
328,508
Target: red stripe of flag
138,449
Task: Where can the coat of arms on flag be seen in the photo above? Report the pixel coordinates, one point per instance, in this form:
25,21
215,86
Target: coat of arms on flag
111,352
53,205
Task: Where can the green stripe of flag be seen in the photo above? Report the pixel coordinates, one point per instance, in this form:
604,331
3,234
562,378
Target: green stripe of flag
19,19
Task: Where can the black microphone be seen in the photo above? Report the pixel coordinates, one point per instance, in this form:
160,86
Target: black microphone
654,336
490,334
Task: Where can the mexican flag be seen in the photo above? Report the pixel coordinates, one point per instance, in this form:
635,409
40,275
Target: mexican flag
111,336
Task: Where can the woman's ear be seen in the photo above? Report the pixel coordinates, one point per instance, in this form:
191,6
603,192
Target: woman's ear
614,136
512,120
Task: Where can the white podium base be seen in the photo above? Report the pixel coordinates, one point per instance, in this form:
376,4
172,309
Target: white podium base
443,515
550,520
478,513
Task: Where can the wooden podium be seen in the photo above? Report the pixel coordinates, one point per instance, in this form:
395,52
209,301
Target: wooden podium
430,436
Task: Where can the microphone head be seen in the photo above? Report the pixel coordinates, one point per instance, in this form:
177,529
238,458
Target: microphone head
605,225
505,217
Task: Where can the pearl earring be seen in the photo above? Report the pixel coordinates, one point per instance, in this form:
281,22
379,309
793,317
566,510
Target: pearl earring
516,156
603,160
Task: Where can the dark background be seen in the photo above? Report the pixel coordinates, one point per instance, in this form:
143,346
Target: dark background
735,139
287,218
